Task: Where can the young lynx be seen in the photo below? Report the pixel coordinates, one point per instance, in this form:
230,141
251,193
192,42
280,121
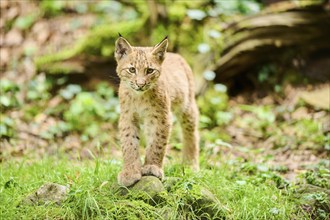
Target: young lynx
153,84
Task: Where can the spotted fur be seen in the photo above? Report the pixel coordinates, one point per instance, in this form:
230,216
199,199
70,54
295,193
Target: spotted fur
154,84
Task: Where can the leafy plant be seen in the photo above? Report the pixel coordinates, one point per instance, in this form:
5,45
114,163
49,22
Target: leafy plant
52,7
7,126
38,88
8,91
212,105
318,177
88,109
25,22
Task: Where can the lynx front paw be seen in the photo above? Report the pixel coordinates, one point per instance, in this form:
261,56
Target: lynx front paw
152,170
128,178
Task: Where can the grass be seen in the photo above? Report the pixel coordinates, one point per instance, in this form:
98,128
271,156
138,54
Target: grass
91,196
242,184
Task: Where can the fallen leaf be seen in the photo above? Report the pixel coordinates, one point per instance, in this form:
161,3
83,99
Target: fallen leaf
319,98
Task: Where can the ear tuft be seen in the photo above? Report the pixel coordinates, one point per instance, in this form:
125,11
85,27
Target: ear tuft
122,48
160,49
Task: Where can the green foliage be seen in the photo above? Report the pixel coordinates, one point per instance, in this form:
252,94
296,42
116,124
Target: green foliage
90,196
131,19
304,133
100,41
7,126
238,6
265,115
212,105
38,89
25,22
70,91
9,91
319,176
52,7
56,131
88,109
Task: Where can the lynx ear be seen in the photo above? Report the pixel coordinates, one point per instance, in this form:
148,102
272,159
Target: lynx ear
160,49
122,48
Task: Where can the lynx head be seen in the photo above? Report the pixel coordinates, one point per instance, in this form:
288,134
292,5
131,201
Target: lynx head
139,67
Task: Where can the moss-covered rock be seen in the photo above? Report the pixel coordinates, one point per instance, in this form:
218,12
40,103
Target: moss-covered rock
192,196
149,189
47,193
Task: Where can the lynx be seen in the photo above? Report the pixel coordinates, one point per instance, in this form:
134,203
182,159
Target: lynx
153,84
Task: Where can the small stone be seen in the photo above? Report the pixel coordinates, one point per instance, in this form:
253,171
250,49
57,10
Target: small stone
47,193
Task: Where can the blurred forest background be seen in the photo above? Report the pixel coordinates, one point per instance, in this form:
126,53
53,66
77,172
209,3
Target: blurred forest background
262,70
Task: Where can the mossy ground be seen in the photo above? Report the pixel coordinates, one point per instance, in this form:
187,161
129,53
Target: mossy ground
92,196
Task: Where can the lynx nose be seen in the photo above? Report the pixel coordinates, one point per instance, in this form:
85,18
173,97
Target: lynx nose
140,83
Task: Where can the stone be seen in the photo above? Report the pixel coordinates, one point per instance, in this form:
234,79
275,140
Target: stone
149,188
46,194
149,184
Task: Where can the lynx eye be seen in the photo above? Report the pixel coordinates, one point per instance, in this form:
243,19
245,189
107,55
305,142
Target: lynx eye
131,70
150,70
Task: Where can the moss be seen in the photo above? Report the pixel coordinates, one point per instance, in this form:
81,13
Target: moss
99,41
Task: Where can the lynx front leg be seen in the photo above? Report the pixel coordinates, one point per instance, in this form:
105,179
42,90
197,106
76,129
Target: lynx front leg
157,130
131,172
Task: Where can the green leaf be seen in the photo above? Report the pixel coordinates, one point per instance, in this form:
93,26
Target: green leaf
25,22
196,14
5,101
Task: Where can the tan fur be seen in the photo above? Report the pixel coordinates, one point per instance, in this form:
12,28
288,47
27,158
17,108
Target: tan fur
150,99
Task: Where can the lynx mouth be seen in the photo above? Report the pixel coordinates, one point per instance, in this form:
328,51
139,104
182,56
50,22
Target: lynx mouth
141,89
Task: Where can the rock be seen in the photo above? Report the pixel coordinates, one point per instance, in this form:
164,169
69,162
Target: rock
195,197
149,184
318,98
149,189
47,193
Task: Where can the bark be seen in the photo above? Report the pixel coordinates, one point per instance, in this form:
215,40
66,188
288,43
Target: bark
274,36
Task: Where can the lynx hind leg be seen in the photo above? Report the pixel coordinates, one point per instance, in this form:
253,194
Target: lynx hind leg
190,134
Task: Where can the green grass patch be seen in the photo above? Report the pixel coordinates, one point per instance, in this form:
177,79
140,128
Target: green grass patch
241,195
